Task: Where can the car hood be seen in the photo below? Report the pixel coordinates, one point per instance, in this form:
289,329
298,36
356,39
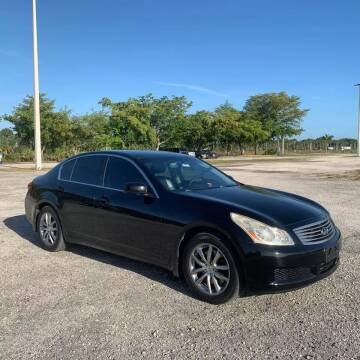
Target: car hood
272,206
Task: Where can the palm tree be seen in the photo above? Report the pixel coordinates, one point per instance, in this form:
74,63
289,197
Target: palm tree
326,139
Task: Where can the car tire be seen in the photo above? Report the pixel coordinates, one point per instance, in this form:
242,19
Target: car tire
49,230
210,269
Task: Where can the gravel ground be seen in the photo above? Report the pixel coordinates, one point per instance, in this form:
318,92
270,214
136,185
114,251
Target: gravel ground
87,304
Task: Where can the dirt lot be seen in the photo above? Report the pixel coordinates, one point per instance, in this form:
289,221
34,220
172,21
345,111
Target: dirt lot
86,304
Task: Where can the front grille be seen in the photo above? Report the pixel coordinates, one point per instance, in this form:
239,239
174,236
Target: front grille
287,275
315,233
283,276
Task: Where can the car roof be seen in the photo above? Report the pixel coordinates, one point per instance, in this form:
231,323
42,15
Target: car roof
138,154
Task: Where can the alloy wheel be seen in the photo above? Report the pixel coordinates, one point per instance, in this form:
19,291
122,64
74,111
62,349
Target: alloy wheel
48,228
209,269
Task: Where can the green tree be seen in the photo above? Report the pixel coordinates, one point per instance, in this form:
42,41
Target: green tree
56,127
250,132
129,123
92,132
326,139
197,131
226,125
279,114
165,117
146,121
8,140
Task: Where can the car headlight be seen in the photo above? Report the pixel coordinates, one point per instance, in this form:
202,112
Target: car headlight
261,233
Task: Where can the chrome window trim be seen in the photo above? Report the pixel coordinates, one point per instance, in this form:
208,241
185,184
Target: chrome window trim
106,165
149,183
72,170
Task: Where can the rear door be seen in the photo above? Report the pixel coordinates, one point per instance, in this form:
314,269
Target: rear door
78,190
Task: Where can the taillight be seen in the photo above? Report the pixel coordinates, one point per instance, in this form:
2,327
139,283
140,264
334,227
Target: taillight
30,185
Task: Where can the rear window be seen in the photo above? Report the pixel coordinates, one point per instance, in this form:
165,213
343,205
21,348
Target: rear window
89,170
66,170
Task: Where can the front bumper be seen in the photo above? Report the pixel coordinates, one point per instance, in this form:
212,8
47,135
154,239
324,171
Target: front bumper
271,270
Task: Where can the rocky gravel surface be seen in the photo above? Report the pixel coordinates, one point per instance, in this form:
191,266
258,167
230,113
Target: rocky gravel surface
87,304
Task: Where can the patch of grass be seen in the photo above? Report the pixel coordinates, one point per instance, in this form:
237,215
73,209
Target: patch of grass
353,175
243,161
219,162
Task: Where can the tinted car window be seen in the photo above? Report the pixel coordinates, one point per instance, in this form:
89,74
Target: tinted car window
186,173
119,172
66,170
89,170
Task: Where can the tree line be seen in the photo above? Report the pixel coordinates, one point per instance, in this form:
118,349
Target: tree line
149,122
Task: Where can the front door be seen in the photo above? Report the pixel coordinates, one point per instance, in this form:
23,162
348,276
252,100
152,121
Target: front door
128,223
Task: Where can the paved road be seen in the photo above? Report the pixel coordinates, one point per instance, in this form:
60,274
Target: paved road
87,304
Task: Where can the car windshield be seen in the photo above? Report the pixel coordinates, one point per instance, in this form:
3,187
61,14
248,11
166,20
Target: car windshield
186,174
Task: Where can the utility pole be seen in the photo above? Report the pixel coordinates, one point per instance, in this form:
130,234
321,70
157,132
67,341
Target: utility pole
358,137
36,94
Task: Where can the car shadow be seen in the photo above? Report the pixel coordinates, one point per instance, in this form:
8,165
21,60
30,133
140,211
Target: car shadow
21,226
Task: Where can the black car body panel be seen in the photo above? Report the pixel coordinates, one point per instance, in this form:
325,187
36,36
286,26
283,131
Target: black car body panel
154,228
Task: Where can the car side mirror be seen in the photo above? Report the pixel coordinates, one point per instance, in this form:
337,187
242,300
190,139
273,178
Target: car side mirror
136,188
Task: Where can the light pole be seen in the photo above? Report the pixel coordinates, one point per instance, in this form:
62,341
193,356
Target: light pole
358,138
36,94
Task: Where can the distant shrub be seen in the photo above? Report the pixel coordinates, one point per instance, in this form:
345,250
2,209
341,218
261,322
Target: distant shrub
59,154
20,153
270,152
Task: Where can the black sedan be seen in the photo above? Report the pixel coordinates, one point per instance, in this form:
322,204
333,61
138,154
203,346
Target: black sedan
206,154
175,211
